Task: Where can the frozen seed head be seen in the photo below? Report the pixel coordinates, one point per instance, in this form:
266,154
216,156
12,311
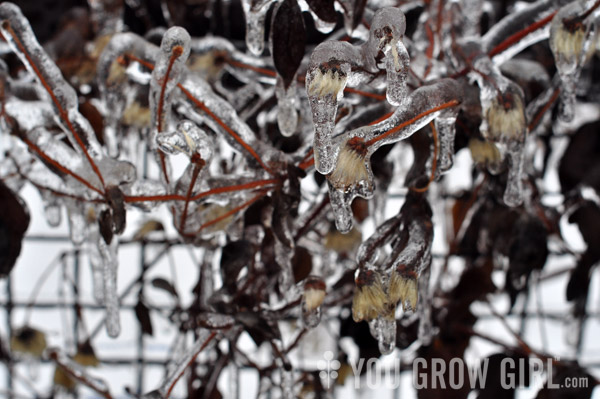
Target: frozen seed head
327,80
568,39
484,152
403,288
506,118
370,300
350,167
314,292
28,341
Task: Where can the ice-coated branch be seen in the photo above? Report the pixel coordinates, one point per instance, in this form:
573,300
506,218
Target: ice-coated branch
16,30
333,64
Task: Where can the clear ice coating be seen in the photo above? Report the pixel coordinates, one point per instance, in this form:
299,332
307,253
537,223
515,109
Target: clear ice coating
110,262
116,90
334,64
445,125
425,332
168,72
287,116
326,79
352,176
383,329
571,42
188,139
255,12
504,121
16,30
513,194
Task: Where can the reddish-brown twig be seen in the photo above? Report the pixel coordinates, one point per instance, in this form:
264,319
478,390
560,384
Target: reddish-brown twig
401,126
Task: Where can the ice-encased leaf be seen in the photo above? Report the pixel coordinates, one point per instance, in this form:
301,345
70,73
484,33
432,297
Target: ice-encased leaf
287,40
255,12
20,37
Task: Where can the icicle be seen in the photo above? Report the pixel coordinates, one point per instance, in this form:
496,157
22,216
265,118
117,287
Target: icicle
425,332
446,132
513,195
234,377
255,12
168,71
16,30
312,298
570,42
77,224
52,209
383,329
397,67
342,211
386,34
110,262
326,79
287,116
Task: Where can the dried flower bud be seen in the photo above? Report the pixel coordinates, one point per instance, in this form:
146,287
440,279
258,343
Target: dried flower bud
506,117
343,243
28,341
484,152
403,287
370,300
350,167
314,292
567,38
327,80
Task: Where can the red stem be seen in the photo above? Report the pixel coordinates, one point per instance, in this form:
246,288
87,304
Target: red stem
515,38
411,121
58,166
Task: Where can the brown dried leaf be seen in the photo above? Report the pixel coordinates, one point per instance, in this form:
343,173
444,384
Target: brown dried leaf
287,39
14,220
142,313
